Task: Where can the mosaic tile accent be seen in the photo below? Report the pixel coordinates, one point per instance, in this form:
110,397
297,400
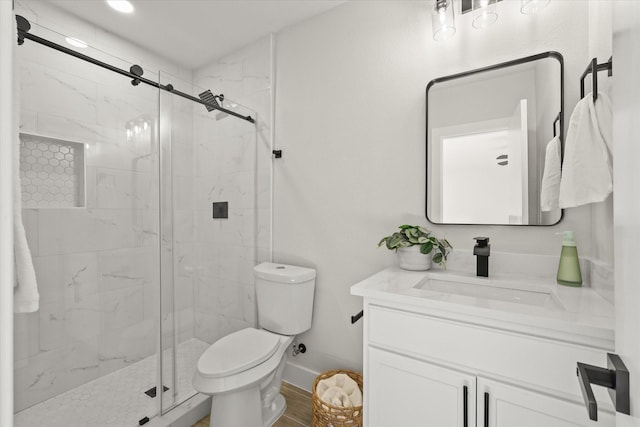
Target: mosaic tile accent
51,172
117,399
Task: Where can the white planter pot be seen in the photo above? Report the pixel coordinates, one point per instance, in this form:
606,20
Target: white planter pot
412,259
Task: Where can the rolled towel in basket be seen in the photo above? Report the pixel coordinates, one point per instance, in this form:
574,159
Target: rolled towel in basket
336,397
343,382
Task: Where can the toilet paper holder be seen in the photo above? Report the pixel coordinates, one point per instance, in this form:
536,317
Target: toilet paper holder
357,317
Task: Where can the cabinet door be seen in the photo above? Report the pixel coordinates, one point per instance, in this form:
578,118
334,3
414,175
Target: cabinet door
502,405
406,392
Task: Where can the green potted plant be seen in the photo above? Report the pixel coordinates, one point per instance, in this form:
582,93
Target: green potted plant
414,244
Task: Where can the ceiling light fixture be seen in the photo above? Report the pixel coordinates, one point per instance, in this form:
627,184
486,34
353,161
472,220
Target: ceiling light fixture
122,6
77,42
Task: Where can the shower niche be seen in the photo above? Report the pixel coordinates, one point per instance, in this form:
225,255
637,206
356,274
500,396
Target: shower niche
52,172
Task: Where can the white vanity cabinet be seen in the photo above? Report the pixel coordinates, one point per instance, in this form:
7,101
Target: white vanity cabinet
435,370
407,392
410,392
502,405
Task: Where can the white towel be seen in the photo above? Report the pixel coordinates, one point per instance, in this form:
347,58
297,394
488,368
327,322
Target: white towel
587,168
342,382
550,192
25,292
336,397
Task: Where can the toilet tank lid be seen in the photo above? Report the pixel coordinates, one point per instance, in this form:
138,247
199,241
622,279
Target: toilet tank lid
284,273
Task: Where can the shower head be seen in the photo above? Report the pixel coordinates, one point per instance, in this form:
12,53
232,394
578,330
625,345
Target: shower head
210,98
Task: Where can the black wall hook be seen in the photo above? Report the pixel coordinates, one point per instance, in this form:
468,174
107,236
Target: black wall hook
277,153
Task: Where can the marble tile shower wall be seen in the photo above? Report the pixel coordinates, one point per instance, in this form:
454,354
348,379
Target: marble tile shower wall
97,267
233,163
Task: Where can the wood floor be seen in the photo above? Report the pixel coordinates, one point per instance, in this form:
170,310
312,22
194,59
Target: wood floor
298,413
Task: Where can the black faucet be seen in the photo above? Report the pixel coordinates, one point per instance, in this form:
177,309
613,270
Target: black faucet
482,250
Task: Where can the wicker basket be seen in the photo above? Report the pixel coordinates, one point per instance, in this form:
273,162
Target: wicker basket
327,415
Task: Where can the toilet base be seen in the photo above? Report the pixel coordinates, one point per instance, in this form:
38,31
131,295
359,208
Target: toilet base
244,409
271,414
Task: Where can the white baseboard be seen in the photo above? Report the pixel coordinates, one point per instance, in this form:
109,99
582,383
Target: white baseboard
299,376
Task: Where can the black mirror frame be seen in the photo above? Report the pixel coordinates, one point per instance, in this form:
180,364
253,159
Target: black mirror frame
531,58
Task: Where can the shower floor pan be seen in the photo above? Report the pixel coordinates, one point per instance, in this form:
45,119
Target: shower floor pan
117,399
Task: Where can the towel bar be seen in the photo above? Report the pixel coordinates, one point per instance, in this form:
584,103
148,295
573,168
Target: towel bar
357,317
593,68
557,120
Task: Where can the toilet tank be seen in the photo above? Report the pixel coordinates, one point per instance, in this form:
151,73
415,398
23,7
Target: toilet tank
284,294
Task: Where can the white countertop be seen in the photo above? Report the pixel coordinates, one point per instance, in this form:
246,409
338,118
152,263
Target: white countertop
582,316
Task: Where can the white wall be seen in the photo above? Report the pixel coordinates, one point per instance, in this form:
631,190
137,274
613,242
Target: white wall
350,119
600,46
626,110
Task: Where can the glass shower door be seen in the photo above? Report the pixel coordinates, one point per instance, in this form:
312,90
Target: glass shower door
89,149
178,352
207,163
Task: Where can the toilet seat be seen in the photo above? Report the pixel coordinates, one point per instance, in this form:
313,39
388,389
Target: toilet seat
237,352
203,382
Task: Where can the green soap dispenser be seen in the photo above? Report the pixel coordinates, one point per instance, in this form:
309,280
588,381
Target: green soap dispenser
569,267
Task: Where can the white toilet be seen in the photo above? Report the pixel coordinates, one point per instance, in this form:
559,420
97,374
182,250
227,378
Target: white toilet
243,371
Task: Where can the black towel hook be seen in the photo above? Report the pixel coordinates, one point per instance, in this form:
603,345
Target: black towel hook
593,69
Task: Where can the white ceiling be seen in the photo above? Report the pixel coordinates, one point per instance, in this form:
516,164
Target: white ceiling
195,32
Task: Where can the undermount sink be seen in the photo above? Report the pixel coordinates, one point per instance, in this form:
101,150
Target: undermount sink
540,296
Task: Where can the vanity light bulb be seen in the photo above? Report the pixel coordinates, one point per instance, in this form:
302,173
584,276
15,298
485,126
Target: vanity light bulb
443,17
145,126
442,20
530,7
484,13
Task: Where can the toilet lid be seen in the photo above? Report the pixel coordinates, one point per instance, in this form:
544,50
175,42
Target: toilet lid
238,352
